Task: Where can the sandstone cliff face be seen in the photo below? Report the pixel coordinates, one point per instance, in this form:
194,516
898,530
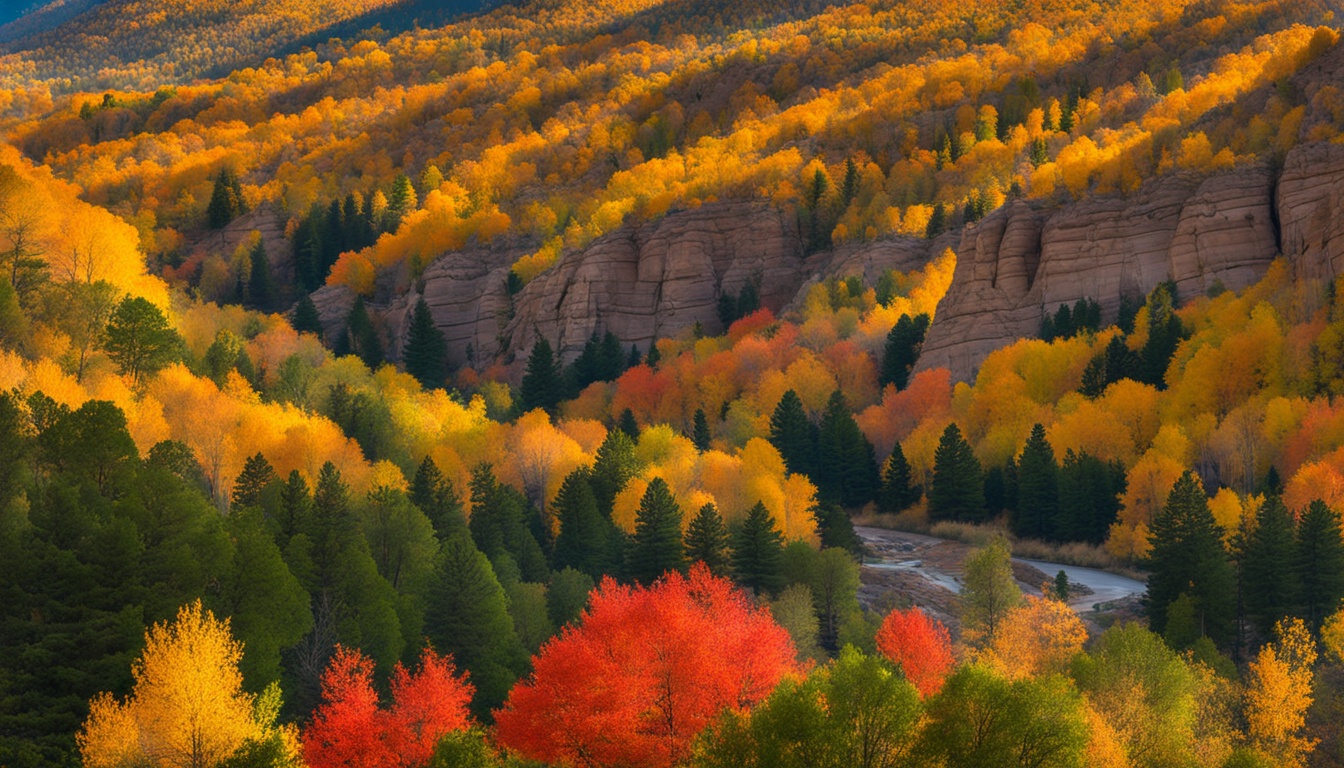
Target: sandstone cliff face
1019,262
654,280
263,219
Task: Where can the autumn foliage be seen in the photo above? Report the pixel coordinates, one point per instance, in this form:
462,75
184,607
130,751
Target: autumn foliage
920,646
644,672
351,730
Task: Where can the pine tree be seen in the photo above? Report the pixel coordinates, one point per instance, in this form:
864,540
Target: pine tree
846,469
707,541
897,494
654,356
256,475
1164,333
1188,557
226,200
1320,562
361,337
758,553
835,529
583,540
902,350
426,351
849,188
793,435
613,466
958,490
399,203
1271,588
499,524
305,318
700,431
656,547
542,386
435,495
1037,489
1089,497
626,423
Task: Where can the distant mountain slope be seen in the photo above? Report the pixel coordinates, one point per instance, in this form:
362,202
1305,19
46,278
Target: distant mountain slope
25,18
77,45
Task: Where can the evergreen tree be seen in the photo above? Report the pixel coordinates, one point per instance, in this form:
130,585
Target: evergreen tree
654,356
897,494
305,318
626,423
1188,557
1037,489
613,466
707,541
902,350
634,358
399,203
1270,575
542,386
361,337
1164,333
656,547
793,435
139,339
958,491
758,553
835,529
849,188
583,542
937,222
261,287
499,525
294,508
468,616
700,431
846,469
435,495
1094,378
426,351
256,475
1320,562
226,200
1089,497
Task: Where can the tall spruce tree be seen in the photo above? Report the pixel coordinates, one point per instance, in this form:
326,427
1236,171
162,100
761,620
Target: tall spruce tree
435,495
426,351
902,350
707,541
252,481
226,200
1270,573
613,466
361,337
583,542
1188,558
846,469
793,435
1089,497
958,491
1320,562
897,493
1037,489
1164,333
261,288
542,386
657,546
305,318
499,524
758,553
700,430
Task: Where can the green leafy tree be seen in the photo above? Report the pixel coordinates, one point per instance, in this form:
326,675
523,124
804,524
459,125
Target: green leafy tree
958,489
834,580
707,540
1037,489
989,591
426,351
1188,556
793,435
656,547
1320,562
567,596
139,339
835,529
758,553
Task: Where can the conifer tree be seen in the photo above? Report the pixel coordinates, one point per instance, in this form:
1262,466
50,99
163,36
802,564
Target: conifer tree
542,386
613,466
902,350
226,200
1037,489
657,546
793,435
835,529
1188,557
435,495
627,424
583,540
1320,562
846,469
958,491
361,337
399,203
758,553
499,525
1089,497
700,430
653,357
1270,589
256,475
707,540
1164,333
426,352
897,494
261,288
305,318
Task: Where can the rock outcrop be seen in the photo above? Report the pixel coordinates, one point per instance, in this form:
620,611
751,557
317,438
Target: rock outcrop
264,219
1021,262
656,279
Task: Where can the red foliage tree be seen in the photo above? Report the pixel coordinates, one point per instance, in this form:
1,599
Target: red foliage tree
349,730
645,671
920,646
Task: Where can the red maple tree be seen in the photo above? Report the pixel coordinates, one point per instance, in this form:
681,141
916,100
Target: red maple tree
920,646
644,672
350,730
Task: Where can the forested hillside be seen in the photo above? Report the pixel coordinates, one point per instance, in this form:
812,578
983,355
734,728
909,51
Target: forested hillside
505,389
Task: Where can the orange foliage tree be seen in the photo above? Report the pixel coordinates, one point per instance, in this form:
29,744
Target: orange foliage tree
644,671
920,646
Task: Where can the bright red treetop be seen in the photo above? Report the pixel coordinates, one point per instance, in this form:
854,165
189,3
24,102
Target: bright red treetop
349,730
920,646
645,671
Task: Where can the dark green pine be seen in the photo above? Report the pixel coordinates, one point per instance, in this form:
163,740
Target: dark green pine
1320,562
897,494
583,540
846,469
700,430
758,553
657,546
305,318
542,386
1037,489
426,351
793,435
1270,565
1188,557
256,475
707,540
435,495
958,491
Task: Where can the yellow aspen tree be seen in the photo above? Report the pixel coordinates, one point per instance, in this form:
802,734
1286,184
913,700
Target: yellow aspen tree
1278,694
